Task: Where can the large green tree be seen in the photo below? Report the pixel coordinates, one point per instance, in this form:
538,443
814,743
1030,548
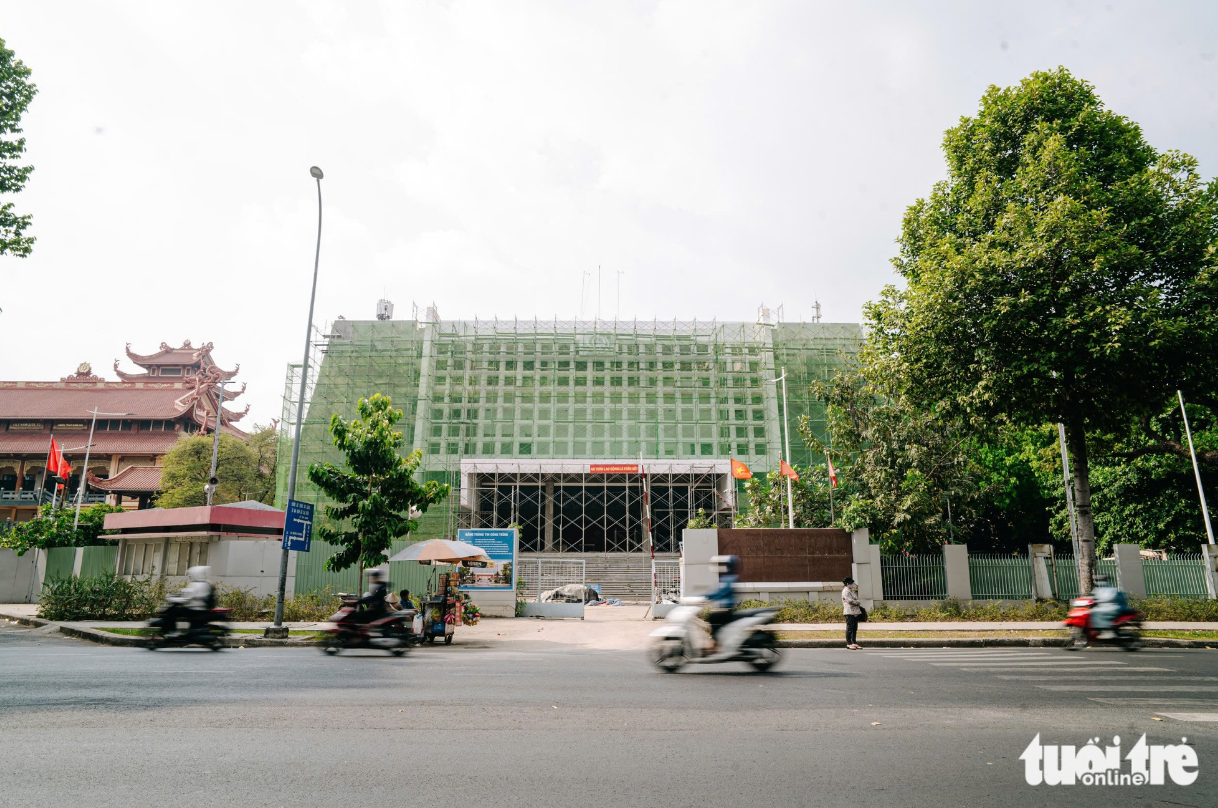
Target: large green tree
53,527
16,93
375,492
1063,272
189,462
919,479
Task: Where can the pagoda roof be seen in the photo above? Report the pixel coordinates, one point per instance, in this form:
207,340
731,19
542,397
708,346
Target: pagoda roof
136,479
73,443
185,356
52,400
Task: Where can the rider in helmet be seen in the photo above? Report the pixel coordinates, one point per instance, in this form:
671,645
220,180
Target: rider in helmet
373,600
192,603
723,599
1110,603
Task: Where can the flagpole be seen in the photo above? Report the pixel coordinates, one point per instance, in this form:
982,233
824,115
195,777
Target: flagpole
787,433
832,514
1205,511
46,467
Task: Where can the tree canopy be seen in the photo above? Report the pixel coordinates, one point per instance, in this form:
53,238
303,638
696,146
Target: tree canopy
189,462
376,491
1065,271
16,93
53,528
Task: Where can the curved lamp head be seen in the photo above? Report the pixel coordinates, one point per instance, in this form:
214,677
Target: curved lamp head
316,172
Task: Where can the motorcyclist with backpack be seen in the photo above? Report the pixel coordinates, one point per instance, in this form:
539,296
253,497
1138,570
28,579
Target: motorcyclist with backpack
1110,603
373,600
723,599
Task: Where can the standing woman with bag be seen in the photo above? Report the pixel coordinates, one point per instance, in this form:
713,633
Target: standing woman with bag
852,609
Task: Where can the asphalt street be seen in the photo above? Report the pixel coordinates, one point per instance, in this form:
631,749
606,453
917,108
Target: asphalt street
544,724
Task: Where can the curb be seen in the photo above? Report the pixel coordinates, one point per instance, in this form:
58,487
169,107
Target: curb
985,642
128,641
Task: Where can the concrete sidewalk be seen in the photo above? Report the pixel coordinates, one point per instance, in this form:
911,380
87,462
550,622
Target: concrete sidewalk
626,628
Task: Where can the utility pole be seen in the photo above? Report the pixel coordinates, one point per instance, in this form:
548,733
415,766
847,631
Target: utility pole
1205,511
212,482
787,432
278,631
84,473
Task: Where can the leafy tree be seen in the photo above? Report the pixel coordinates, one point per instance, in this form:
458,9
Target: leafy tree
264,443
376,492
767,499
1063,272
189,462
919,480
16,92
53,528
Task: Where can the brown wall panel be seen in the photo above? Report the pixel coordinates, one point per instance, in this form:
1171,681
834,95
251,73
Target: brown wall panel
774,555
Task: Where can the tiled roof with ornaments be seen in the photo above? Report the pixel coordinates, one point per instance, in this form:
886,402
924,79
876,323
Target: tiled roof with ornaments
133,479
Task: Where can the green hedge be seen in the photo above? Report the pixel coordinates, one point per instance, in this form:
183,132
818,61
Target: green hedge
109,597
952,610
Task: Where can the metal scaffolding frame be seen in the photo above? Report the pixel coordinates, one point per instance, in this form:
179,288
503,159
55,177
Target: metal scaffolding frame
606,390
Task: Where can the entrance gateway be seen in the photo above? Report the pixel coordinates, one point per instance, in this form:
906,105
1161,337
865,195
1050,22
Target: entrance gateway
594,510
595,506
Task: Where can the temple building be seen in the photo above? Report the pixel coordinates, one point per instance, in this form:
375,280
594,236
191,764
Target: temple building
140,417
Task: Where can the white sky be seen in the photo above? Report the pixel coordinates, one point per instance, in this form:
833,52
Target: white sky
484,155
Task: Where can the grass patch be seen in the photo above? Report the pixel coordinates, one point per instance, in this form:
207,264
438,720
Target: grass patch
952,610
144,632
899,635
1182,635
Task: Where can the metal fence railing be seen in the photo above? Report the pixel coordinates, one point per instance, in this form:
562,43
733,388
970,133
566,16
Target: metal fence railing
911,577
1000,577
546,576
1180,576
666,586
1066,568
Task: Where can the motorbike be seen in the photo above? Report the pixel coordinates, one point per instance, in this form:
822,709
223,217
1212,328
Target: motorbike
685,639
393,632
1125,631
208,629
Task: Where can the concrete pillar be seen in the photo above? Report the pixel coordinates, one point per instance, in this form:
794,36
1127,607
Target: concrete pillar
1209,555
77,561
860,567
877,577
549,517
698,575
1129,569
955,569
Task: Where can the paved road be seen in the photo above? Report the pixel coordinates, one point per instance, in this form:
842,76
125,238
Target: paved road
540,724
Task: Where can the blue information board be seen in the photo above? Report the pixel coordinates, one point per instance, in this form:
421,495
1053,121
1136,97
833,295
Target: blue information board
298,526
500,546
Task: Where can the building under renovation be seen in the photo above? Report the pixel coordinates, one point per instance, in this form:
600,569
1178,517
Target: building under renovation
550,425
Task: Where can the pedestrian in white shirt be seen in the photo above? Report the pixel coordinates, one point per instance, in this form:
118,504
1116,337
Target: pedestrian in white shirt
852,609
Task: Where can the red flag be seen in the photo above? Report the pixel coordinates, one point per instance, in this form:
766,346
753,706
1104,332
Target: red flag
741,471
832,472
55,462
787,471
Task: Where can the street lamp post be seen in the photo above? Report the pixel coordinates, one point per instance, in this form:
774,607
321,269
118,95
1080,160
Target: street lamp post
210,488
786,428
84,473
277,631
1205,511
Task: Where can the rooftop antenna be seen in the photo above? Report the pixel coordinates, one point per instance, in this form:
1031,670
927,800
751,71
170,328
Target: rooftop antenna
583,284
816,310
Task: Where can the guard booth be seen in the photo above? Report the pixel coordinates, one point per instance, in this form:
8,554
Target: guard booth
241,542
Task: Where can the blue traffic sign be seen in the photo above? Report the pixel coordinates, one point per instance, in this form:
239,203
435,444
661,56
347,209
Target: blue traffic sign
298,526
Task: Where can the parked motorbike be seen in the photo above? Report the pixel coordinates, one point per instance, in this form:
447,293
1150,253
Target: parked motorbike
207,629
392,632
685,639
1125,632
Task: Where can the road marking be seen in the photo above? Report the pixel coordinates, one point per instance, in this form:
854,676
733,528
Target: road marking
1048,663
1144,702
1075,667
995,657
1133,688
1040,677
1192,716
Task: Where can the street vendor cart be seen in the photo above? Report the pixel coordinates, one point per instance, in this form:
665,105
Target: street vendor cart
444,606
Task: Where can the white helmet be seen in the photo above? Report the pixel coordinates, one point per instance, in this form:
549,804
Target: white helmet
376,575
198,574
